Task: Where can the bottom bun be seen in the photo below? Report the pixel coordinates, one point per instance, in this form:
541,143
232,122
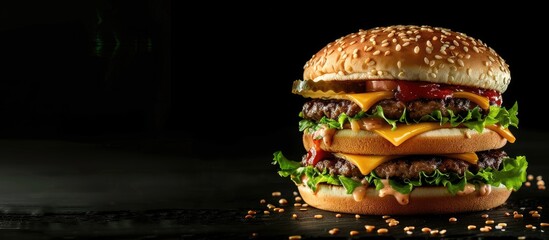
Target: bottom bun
422,200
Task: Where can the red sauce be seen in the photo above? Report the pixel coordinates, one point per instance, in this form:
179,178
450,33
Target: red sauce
315,154
409,91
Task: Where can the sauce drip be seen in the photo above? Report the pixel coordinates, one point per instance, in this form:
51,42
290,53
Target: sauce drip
469,188
359,193
403,199
485,189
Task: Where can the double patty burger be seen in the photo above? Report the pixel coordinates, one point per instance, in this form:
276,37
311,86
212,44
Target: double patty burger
405,120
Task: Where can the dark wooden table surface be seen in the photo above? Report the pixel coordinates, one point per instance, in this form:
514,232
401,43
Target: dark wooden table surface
71,190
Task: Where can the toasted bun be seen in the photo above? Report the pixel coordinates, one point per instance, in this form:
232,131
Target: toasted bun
411,53
440,141
423,200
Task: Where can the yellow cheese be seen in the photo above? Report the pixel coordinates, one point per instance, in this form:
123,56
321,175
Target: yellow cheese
468,157
364,100
482,102
367,100
405,132
367,163
504,132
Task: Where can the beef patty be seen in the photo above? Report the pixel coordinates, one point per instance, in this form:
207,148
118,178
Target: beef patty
409,167
392,109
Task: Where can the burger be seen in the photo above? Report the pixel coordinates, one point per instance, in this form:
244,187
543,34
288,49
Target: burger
405,120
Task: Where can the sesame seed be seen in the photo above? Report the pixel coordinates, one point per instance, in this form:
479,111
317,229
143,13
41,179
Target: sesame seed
353,42
318,216
303,209
262,201
455,43
516,216
482,76
435,38
476,49
385,44
543,224
372,63
450,60
298,199
484,229
305,205
392,224
426,60
489,221
469,71
416,49
333,231
432,63
452,219
387,53
369,228
266,212
438,57
529,226
502,224
429,50
536,215
294,216
429,44
399,64
406,44
409,228
377,52
409,232
382,230
294,237
491,58
280,210
248,216
539,207
484,216
276,194
530,177
339,49
471,227
426,230
368,48
401,74
527,184
539,177
521,237
460,62
357,216
540,183
398,47
443,231
354,233
338,215
283,201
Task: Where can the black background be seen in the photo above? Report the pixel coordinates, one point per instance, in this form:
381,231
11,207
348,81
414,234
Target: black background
144,104
214,79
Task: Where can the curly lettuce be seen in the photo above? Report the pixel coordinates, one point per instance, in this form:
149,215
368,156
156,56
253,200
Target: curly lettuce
512,174
474,119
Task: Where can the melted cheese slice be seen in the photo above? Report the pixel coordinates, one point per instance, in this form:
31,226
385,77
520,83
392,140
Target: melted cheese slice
364,100
481,101
367,100
504,132
405,132
367,163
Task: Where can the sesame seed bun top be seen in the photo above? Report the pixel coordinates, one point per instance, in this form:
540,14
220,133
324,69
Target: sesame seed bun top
414,53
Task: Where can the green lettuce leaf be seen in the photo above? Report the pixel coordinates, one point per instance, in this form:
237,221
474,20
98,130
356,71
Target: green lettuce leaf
473,119
512,174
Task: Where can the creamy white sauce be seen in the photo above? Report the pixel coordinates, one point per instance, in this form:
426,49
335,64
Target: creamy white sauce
403,199
325,133
469,188
485,189
359,193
